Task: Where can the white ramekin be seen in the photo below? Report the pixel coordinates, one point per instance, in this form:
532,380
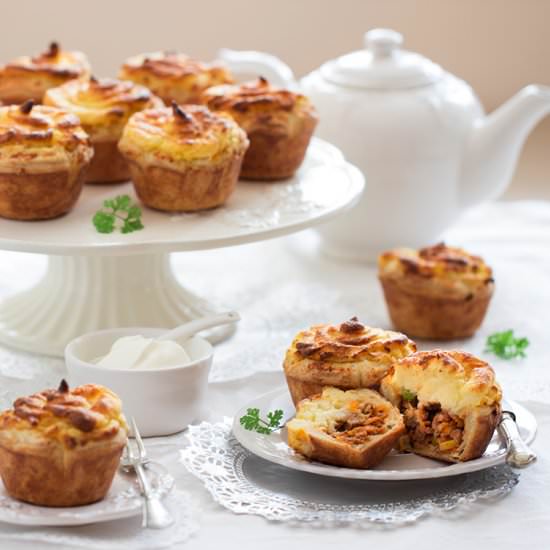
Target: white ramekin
163,401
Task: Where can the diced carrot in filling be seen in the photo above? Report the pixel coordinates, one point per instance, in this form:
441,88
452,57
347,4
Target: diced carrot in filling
427,423
357,427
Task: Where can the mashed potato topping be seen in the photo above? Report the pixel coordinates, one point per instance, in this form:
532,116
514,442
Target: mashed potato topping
188,134
72,417
36,137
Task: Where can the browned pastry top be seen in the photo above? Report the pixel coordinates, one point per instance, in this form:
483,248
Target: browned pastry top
350,341
54,61
102,105
172,65
435,261
35,124
37,137
86,413
174,76
258,94
262,109
187,133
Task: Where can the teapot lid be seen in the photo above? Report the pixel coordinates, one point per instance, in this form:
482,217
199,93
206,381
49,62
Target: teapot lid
382,65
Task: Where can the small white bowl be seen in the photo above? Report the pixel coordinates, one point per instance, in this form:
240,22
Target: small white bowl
163,401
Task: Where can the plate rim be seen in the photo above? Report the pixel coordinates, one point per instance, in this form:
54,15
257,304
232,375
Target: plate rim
327,470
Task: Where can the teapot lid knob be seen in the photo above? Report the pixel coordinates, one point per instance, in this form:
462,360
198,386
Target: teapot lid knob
381,65
383,42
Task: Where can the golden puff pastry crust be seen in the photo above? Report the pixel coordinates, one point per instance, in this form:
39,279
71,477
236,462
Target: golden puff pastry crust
279,124
353,428
347,356
174,76
103,107
183,158
28,77
438,292
450,400
62,447
43,155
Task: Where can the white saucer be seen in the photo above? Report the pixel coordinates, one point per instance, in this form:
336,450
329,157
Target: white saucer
122,501
395,467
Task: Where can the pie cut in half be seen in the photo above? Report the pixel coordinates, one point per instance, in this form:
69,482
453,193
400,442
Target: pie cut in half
62,447
348,356
450,401
353,428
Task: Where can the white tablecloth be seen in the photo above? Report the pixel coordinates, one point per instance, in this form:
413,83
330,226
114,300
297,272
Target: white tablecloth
284,285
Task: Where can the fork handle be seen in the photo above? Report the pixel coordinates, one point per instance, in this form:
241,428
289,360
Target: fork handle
518,453
155,514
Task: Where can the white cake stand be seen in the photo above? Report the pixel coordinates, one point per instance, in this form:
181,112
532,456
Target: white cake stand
100,281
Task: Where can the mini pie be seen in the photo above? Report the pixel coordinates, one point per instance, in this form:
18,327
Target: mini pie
438,292
30,77
183,158
353,428
348,356
61,447
450,401
103,107
279,125
43,155
174,76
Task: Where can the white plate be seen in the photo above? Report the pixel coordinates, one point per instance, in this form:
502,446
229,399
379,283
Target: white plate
123,500
324,186
394,467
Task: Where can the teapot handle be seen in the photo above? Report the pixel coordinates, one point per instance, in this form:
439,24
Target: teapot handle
251,64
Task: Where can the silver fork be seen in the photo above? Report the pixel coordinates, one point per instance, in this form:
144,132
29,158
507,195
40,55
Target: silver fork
155,515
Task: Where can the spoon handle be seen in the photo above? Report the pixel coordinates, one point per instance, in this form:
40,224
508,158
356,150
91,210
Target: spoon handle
518,455
184,332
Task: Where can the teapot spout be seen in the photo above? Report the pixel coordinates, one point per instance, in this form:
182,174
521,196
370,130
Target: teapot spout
495,144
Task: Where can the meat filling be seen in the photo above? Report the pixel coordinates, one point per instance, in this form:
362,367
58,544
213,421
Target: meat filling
428,424
358,426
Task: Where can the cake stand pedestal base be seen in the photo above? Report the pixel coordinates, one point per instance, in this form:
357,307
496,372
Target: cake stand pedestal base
80,294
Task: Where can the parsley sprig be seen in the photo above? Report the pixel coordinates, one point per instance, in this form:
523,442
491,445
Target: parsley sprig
506,346
118,213
251,421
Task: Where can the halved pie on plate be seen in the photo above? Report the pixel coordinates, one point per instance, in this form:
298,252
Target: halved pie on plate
450,401
353,428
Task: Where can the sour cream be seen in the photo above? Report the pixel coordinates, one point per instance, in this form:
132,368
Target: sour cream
140,353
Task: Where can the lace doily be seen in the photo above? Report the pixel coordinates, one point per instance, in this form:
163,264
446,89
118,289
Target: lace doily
119,535
246,484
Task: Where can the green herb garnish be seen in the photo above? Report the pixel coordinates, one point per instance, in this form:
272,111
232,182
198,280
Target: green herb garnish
408,395
118,213
505,345
252,421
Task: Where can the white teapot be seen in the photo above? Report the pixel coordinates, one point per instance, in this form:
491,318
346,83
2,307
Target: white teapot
418,133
